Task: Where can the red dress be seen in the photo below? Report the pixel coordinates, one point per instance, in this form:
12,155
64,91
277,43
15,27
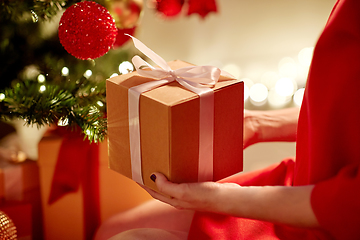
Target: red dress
328,145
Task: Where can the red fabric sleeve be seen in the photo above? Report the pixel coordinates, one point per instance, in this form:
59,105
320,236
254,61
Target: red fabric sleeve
336,203
329,125
277,174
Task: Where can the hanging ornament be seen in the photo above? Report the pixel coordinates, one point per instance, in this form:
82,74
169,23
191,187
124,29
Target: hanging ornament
201,7
169,8
7,227
126,13
87,30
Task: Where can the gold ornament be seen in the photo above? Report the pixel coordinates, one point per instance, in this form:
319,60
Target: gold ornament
7,227
126,13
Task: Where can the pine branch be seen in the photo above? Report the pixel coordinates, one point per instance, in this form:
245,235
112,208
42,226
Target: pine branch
27,101
35,9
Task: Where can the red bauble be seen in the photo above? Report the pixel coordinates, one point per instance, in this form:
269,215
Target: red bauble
87,30
169,8
202,7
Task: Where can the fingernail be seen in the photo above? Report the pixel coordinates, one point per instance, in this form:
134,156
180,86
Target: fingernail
153,177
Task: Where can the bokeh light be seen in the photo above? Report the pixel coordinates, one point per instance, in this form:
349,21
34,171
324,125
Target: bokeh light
88,73
65,71
305,56
287,67
258,94
233,69
285,87
298,96
41,78
246,92
269,79
42,88
277,101
126,67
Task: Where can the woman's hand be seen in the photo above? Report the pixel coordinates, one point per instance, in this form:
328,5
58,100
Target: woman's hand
278,204
205,196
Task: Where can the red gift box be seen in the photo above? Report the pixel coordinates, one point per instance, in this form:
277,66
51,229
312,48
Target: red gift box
67,216
20,197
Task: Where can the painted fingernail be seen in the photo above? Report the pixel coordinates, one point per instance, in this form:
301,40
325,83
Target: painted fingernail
153,177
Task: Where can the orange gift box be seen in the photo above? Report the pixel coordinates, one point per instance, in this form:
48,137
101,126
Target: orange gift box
64,219
169,128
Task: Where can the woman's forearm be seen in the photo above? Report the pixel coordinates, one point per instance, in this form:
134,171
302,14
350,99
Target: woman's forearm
278,204
268,126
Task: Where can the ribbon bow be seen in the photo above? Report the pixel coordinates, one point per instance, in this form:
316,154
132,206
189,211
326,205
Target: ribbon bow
198,79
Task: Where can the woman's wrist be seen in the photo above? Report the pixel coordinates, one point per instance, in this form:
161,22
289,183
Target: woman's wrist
267,126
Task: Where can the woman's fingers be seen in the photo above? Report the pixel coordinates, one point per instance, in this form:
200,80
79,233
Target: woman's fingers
165,186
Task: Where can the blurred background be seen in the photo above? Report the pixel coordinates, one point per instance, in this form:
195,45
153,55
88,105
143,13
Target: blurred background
267,44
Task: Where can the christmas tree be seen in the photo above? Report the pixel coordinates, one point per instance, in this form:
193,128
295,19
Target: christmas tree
41,83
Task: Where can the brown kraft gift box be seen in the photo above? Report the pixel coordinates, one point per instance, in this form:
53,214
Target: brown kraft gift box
169,128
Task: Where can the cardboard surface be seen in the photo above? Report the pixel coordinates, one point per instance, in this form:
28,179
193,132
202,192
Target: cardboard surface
64,218
169,128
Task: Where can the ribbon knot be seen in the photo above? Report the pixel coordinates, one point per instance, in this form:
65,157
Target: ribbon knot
173,74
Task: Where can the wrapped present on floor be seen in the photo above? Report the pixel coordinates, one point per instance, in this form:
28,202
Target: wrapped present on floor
182,120
78,189
20,197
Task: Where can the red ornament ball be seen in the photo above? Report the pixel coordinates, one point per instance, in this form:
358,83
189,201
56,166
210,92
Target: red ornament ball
87,30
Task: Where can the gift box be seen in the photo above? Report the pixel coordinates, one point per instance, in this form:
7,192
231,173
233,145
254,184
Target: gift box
169,118
67,216
20,197
21,216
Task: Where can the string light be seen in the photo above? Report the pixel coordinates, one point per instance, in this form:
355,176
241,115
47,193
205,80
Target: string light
34,16
100,103
63,122
42,88
41,78
126,67
87,73
88,132
65,71
2,96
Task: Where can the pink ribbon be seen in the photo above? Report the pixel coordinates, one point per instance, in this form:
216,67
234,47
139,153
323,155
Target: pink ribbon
198,79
